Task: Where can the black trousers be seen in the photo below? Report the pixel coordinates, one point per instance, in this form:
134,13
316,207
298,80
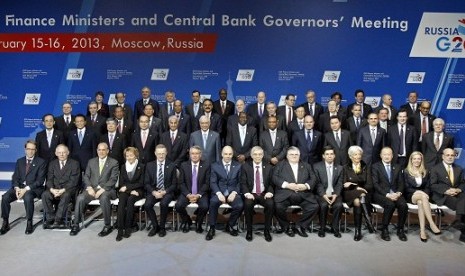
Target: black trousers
336,209
389,208
202,210
150,201
268,205
456,203
126,209
309,209
61,203
28,198
236,206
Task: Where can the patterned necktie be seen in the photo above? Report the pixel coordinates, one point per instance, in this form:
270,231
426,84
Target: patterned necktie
388,172
172,138
170,108
160,177
80,137
437,142
194,180
423,126
62,164
258,182
338,139
28,165
120,126
401,137
450,172
309,140
111,141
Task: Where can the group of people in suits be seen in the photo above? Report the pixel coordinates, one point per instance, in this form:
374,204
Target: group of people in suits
275,156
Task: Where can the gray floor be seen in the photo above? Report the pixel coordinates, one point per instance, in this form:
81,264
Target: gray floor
48,252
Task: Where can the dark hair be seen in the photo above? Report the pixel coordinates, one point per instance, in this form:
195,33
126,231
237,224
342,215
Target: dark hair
358,91
336,94
289,95
328,147
100,93
45,115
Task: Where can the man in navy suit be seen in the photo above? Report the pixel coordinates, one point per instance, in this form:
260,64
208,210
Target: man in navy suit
402,139
339,139
287,111
360,100
224,108
412,106
242,138
194,185
208,140
145,100
160,186
195,110
48,139
167,109
27,184
82,142
176,142
124,125
371,138
309,141
294,185
65,122
225,187
258,110
184,120
355,122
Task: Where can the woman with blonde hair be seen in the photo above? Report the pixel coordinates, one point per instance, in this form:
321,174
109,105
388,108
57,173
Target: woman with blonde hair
417,189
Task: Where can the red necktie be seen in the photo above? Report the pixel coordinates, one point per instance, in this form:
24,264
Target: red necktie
258,188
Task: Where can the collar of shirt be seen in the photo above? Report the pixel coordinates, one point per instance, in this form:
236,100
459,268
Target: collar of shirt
386,164
204,132
328,164
195,164
82,129
447,165
162,163
112,133
224,164
50,131
272,131
173,133
103,160
255,165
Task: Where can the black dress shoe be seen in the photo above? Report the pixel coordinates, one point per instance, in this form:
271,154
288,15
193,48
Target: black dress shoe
153,231
127,233
119,236
29,228
357,235
162,233
423,240
5,227
267,235
199,228
385,235
401,235
49,224
210,234
249,236
301,231
462,237
233,232
290,232
58,224
457,224
321,233
105,231
337,234
186,228
74,230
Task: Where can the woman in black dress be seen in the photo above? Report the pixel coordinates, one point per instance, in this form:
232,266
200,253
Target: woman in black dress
131,183
357,186
417,190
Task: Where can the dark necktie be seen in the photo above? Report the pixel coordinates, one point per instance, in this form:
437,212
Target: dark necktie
160,177
401,136
309,140
194,180
28,165
258,188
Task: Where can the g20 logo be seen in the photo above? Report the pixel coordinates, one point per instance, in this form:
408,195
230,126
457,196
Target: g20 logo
456,45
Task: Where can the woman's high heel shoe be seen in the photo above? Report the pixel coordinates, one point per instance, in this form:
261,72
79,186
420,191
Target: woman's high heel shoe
424,239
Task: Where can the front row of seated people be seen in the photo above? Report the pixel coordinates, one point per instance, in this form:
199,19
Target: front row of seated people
291,182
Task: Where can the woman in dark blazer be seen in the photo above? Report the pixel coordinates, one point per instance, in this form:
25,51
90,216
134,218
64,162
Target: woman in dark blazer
357,186
131,189
102,108
417,190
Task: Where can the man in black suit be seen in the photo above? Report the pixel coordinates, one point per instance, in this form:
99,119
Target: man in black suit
412,106
145,100
371,139
145,140
224,108
195,110
160,186
328,177
271,112
402,139
95,120
62,183
215,119
447,184
194,185
233,120
355,122
242,138
27,183
48,139
287,110
274,142
116,142
176,142
297,124
388,183
167,109
100,179
387,103
184,120
294,185
257,188
339,140
65,122
125,126
258,110
309,141
341,111
313,108
434,142
82,142
365,109
324,123
225,189
155,124
120,102
422,121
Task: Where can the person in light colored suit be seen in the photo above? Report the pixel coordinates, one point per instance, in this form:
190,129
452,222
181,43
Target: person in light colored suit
208,140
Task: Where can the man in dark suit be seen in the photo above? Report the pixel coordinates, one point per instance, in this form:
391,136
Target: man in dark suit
422,121
287,111
184,120
447,184
341,111
167,109
233,120
155,124
412,106
435,142
208,140
224,108
324,123
271,112
297,124
115,141
274,142
120,102
388,183
257,188
258,110
383,121
195,110
242,138
387,103
82,142
95,120
194,185
176,142
125,126
402,140
313,108
145,140
339,140
215,119
65,122
371,139
355,122
62,183
294,185
100,180
328,177
226,188
365,109
27,183
141,103
48,139
160,186
309,141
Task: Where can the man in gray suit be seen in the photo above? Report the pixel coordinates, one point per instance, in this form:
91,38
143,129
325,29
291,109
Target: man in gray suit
100,180
208,140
